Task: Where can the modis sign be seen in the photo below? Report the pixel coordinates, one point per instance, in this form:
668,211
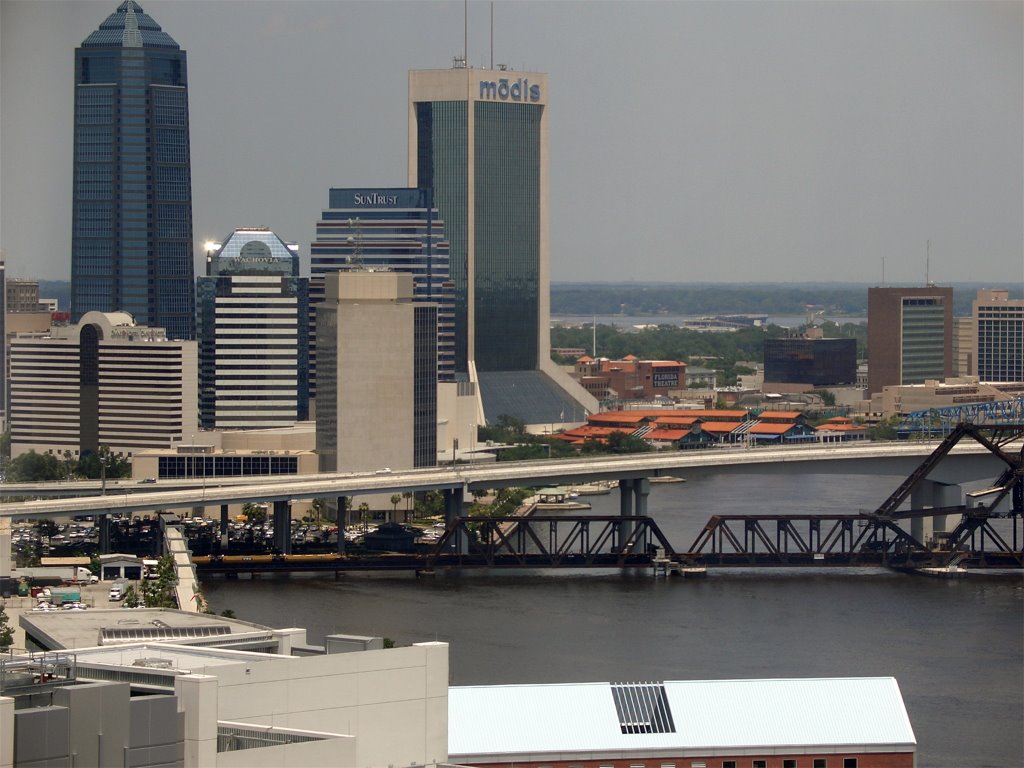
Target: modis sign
509,90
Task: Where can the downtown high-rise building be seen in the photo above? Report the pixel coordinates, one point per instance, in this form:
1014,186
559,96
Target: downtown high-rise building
131,242
253,333
479,140
394,229
377,373
998,326
910,336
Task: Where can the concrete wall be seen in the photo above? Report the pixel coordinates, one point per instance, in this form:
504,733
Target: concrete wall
394,702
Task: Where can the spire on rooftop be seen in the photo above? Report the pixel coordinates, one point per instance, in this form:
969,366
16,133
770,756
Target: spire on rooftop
129,27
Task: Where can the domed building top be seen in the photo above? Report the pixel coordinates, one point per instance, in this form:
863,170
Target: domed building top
129,27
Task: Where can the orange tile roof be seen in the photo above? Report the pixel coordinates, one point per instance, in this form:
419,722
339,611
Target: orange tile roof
721,426
837,427
618,417
666,364
631,357
666,434
770,429
585,359
683,420
780,415
714,413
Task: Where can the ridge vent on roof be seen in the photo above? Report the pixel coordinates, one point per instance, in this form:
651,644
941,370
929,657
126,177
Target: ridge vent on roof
642,708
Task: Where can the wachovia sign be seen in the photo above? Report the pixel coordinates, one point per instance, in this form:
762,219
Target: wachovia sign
509,90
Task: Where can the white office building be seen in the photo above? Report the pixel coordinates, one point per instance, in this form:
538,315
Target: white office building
105,381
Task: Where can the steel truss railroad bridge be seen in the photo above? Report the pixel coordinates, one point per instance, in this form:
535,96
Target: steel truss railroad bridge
877,538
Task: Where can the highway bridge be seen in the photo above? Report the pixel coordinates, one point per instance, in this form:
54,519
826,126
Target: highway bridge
934,472
968,462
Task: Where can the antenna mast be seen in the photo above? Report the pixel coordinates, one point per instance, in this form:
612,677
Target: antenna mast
492,34
927,262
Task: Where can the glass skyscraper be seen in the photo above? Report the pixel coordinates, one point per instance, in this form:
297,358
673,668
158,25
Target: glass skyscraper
479,141
131,243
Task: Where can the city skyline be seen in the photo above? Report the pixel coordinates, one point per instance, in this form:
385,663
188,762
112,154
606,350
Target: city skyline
776,142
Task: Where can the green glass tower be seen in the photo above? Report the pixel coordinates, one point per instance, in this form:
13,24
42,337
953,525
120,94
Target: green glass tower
478,138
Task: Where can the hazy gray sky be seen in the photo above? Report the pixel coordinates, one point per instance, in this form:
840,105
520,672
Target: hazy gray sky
690,141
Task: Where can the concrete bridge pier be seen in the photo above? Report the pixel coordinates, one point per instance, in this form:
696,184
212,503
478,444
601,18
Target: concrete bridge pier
282,527
930,493
342,520
453,499
103,521
641,490
224,522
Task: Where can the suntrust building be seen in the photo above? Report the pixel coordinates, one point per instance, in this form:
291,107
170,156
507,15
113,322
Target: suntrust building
479,140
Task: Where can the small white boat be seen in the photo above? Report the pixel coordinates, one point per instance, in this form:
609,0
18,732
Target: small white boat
943,571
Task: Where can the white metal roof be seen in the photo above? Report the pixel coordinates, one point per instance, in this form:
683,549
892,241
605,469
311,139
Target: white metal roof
707,715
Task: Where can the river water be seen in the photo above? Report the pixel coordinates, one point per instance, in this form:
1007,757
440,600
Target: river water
955,647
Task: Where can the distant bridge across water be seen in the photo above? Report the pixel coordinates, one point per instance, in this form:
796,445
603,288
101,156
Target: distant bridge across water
963,527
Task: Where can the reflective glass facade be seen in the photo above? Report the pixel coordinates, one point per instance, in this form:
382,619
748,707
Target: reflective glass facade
484,160
819,362
442,166
131,247
923,340
507,235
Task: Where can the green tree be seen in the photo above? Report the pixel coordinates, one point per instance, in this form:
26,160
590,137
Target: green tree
101,464
395,499
364,511
884,429
131,598
159,592
32,467
827,397
6,630
256,514
431,505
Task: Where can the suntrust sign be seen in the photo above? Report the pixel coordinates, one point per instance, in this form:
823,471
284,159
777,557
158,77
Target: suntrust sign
509,90
374,198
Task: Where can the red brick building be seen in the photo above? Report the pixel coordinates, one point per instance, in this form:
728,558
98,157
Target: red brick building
629,378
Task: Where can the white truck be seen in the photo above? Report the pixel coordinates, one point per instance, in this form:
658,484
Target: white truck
55,574
118,590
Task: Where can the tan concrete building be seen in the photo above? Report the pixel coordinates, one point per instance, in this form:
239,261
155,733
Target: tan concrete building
998,337
965,390
910,335
105,381
376,374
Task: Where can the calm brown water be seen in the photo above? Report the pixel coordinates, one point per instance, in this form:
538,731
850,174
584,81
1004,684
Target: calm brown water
956,647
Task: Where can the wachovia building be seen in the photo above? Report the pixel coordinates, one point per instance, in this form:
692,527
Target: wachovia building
253,333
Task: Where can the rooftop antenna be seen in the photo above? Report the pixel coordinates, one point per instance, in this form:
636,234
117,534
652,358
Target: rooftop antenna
927,262
883,271
492,34
465,31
